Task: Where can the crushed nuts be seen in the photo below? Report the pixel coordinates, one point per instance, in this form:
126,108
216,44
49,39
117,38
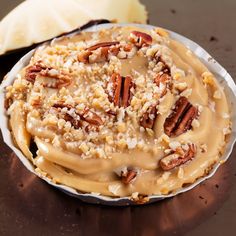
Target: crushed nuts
148,118
163,79
91,117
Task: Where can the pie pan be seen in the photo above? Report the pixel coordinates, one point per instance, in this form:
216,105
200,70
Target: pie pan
224,79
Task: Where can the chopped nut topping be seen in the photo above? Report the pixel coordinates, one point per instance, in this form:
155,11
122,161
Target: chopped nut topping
7,103
76,123
208,79
217,94
203,148
165,80
162,32
91,117
148,118
181,86
180,173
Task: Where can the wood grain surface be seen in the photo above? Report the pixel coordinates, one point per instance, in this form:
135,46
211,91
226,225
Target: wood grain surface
28,206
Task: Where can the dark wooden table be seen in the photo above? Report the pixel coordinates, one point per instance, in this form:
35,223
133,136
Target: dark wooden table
28,206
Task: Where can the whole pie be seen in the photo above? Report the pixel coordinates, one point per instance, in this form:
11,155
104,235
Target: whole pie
119,112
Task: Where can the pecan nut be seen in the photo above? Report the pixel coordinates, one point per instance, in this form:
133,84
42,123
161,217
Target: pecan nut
119,90
91,128
84,56
106,47
76,123
74,120
148,118
55,81
127,95
57,84
32,71
180,120
62,105
140,39
177,158
128,177
163,81
102,45
7,103
114,88
58,80
111,112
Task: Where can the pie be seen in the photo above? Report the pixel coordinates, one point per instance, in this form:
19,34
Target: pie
123,111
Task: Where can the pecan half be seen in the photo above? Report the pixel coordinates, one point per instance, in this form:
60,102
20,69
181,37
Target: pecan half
119,90
126,98
128,177
32,71
148,118
58,80
180,120
140,39
114,88
176,159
